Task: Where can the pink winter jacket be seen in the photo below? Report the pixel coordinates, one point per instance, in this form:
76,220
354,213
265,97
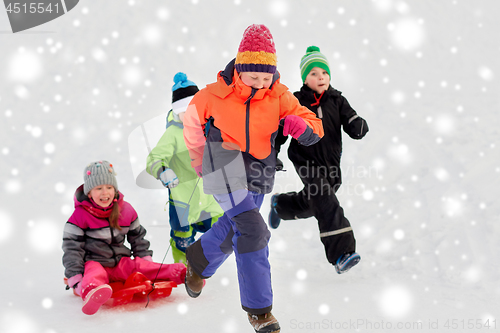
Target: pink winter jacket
87,237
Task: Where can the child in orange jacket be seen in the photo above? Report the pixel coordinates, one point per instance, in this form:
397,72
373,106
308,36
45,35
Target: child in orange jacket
229,129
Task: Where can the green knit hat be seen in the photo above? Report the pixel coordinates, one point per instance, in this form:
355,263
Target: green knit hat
313,58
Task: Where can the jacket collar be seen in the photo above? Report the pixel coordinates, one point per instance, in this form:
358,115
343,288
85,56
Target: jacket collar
308,93
228,81
82,200
172,122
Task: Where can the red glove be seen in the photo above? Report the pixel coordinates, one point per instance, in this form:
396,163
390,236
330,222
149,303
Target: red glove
198,169
294,125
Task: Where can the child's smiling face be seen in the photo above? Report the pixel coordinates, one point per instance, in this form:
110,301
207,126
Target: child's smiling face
103,195
256,80
318,80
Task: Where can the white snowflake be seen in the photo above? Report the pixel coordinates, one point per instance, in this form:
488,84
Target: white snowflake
44,236
396,302
407,34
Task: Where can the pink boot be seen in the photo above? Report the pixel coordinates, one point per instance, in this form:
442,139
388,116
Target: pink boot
95,298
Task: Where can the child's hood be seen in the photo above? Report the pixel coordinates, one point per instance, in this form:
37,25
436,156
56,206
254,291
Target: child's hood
172,121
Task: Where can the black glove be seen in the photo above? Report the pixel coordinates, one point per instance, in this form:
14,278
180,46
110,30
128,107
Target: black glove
357,128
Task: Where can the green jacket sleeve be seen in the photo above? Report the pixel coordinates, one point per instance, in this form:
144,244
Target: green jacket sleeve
160,156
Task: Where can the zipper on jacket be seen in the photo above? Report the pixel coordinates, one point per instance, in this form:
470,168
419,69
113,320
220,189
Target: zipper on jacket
247,124
320,112
111,245
210,122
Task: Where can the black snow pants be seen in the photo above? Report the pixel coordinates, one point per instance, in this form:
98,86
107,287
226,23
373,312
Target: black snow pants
318,199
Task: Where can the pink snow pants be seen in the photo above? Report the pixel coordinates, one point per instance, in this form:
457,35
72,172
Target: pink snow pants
96,275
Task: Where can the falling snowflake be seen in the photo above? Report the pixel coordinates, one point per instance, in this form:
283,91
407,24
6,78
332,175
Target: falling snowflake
152,34
444,124
47,303
396,302
44,236
441,174
407,34
324,309
399,234
59,187
485,73
278,8
133,75
25,67
182,308
301,274
49,148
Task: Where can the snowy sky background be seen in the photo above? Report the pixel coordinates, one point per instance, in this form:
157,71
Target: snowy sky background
420,189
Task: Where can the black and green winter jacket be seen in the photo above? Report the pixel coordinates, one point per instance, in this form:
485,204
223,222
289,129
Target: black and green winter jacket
336,113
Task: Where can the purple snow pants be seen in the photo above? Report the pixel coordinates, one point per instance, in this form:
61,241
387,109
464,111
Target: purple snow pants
241,230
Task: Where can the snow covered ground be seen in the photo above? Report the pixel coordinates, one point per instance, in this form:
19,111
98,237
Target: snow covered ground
420,190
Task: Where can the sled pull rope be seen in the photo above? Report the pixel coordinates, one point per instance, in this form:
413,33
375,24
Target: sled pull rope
170,244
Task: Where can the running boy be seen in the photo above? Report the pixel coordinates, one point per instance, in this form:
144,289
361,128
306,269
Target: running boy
229,130
319,165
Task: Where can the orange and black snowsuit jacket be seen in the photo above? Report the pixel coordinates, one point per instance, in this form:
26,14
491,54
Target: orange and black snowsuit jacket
230,129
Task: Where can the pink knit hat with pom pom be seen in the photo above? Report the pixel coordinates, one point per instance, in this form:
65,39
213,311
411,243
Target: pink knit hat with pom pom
256,52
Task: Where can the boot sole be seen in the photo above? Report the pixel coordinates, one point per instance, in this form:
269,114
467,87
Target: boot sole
96,298
348,265
191,292
274,328
269,221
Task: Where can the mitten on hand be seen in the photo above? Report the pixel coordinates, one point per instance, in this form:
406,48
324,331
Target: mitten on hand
357,127
294,125
198,169
169,178
74,282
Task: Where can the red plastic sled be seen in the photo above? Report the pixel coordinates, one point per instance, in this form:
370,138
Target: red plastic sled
137,287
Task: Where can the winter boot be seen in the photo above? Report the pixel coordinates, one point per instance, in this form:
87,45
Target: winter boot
264,323
194,283
95,298
273,219
346,262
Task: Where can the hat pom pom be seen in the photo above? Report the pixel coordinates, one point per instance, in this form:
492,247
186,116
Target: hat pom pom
312,49
180,77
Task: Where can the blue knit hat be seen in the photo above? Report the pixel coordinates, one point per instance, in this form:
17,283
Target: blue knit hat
183,91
